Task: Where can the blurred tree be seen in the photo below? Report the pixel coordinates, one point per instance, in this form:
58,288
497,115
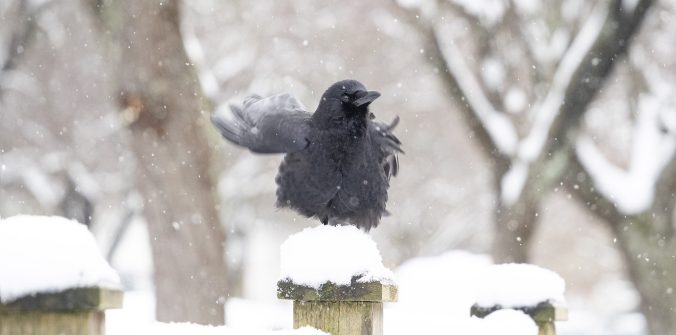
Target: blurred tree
538,66
637,201
556,78
159,97
644,235
20,24
56,189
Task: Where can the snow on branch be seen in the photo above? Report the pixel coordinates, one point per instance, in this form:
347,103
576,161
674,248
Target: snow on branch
583,68
195,52
488,12
498,126
212,76
531,146
579,76
632,191
513,182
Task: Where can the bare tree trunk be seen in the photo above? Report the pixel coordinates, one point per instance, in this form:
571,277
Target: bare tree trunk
160,98
648,244
646,241
651,261
514,225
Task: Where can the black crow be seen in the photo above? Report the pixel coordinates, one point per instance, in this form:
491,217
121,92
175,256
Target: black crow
338,160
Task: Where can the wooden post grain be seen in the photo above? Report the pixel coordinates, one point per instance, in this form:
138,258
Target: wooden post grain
355,309
77,311
544,314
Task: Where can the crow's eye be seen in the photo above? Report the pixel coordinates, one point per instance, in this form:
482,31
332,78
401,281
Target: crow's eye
345,98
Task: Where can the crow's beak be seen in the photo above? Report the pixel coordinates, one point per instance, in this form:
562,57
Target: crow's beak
367,99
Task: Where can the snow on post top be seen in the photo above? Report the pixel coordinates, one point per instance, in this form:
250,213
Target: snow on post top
518,285
323,254
49,254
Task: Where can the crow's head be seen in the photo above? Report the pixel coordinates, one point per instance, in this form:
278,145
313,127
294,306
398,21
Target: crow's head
345,99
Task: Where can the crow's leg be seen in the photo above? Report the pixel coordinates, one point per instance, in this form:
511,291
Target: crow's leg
324,220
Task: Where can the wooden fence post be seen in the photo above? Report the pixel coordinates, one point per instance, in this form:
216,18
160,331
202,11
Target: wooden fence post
355,309
76,311
544,314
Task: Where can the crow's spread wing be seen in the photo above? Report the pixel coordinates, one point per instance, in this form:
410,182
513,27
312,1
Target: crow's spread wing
276,124
387,145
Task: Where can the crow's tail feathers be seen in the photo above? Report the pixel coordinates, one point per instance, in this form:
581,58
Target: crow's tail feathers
236,129
389,146
391,141
394,123
275,124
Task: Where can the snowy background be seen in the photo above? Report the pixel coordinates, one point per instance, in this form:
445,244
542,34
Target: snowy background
503,153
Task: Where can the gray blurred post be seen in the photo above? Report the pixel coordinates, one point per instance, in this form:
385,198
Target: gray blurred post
78,311
355,309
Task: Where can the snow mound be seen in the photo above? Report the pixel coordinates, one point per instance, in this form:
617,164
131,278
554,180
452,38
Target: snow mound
441,284
507,322
49,254
332,254
161,328
518,285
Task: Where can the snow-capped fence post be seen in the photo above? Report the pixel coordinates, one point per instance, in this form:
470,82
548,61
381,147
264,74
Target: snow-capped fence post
53,278
535,291
544,314
355,309
76,311
336,279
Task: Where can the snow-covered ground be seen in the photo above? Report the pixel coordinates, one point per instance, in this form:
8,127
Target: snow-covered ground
435,291
435,296
160,328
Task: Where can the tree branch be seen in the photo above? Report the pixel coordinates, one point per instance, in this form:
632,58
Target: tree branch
550,108
584,67
20,37
428,35
634,190
587,77
497,126
665,190
584,76
580,184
